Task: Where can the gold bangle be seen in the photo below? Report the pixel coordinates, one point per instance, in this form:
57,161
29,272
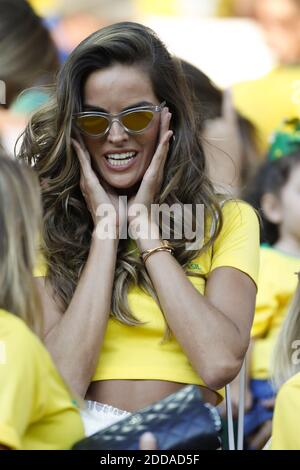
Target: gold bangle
155,250
165,244
164,247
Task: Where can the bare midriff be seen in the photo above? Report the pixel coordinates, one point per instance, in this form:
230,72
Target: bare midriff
132,395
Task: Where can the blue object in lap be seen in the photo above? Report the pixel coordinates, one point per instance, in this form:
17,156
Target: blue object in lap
261,390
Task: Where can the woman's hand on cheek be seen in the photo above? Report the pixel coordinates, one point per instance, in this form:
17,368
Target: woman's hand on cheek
101,201
153,177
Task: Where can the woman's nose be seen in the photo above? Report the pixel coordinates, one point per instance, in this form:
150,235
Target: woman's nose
117,132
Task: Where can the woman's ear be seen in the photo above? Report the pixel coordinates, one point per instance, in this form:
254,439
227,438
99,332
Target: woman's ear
272,208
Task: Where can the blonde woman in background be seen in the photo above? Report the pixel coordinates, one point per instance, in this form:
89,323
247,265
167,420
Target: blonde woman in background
286,372
37,411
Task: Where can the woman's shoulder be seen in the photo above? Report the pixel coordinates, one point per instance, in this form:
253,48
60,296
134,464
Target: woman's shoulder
237,207
285,433
239,217
19,340
288,398
12,325
235,213
237,244
291,386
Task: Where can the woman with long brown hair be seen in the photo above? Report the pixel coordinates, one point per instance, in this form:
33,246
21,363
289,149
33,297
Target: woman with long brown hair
129,321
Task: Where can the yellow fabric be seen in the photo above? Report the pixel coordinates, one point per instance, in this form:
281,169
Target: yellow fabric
277,283
157,7
36,409
269,100
225,8
45,7
285,432
40,269
136,352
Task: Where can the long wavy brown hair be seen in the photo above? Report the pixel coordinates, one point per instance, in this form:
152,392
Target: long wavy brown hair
47,146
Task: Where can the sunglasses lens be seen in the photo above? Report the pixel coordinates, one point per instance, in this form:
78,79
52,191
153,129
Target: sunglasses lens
93,125
137,120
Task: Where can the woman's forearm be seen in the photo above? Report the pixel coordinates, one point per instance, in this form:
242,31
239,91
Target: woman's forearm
207,336
211,340
76,339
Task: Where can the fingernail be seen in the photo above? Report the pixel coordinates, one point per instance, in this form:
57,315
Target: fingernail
148,435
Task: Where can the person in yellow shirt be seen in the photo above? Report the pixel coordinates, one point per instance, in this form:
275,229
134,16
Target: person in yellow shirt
275,193
286,375
37,410
285,429
274,97
131,319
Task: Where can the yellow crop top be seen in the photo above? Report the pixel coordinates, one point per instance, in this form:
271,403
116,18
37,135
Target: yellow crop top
36,409
136,352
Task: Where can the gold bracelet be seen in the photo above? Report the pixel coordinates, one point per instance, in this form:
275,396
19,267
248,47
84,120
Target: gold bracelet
164,247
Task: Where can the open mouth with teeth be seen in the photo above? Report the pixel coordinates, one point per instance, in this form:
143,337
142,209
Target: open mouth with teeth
120,159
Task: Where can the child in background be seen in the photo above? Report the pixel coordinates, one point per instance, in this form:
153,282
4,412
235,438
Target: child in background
276,195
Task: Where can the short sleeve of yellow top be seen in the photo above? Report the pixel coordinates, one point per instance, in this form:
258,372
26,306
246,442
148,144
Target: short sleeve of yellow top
285,432
268,100
277,283
137,352
36,409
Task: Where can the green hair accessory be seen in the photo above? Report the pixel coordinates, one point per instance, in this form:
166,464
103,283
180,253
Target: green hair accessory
286,140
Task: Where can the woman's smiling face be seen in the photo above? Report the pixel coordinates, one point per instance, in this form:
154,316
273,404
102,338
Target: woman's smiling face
113,90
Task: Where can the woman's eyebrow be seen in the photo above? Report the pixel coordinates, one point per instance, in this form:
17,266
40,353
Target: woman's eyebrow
89,107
